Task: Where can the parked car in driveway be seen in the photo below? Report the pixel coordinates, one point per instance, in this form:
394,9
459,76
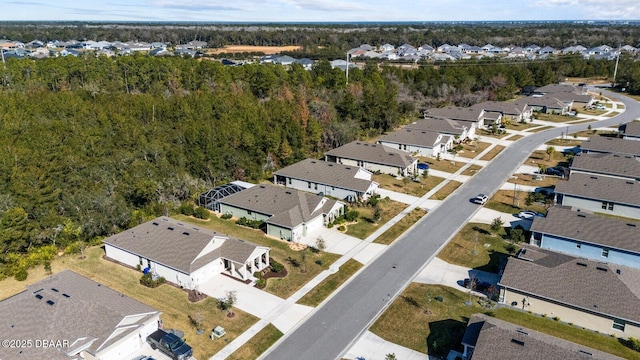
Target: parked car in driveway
423,166
528,215
480,199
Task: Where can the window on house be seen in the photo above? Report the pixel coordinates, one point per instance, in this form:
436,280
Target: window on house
607,205
315,186
308,185
578,245
604,205
618,324
249,212
610,206
605,252
289,179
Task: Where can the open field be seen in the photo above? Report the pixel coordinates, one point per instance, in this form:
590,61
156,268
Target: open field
400,227
258,344
171,301
493,153
249,48
477,247
280,251
330,284
439,317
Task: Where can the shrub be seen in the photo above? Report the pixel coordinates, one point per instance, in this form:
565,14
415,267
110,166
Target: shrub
330,225
373,200
21,274
342,228
186,209
556,318
511,249
496,224
275,266
147,280
201,213
255,224
351,215
319,262
226,216
632,343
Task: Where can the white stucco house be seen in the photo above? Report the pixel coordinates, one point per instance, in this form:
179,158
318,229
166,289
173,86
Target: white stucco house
185,255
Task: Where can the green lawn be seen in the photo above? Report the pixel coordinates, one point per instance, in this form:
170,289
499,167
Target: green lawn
258,344
330,284
400,227
503,201
406,185
436,326
280,251
444,164
366,224
554,118
477,247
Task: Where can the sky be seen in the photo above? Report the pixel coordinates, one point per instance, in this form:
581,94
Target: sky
318,10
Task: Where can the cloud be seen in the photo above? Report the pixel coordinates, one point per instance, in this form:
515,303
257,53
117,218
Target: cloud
327,5
194,6
595,9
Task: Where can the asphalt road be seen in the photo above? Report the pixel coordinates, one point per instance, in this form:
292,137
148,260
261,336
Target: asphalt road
334,327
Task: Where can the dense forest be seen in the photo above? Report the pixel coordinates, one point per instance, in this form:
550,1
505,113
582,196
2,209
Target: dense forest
92,145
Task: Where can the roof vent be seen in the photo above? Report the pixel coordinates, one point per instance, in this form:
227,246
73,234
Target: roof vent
630,182
38,296
601,268
288,192
262,187
37,291
594,177
348,168
516,341
585,352
616,155
582,215
330,164
170,228
66,295
155,223
313,161
618,271
632,225
54,290
581,264
520,331
50,302
185,233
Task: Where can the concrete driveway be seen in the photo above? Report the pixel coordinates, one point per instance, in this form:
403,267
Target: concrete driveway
249,299
336,242
440,272
486,216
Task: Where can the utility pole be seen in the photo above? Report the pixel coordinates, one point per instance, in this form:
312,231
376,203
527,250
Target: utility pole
615,70
347,68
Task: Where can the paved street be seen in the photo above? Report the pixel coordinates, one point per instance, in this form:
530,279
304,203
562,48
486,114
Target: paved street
334,327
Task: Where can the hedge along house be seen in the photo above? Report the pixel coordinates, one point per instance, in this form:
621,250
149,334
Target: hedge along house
351,183
186,255
70,317
375,158
288,214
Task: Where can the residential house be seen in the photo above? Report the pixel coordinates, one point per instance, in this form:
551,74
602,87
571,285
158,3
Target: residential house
442,57
561,88
604,164
426,49
192,45
423,143
629,48
585,235
595,295
532,49
67,316
288,214
351,183
464,115
386,48
306,63
603,194
459,130
508,110
547,50
489,338
445,48
285,60
185,255
605,144
577,49
544,104
374,157
631,131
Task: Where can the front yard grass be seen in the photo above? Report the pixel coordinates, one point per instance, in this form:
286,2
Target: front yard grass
173,302
493,153
447,163
330,284
438,326
471,170
280,251
406,185
538,129
400,227
476,246
515,137
520,126
473,148
258,344
564,142
555,118
446,190
527,179
541,157
503,201
488,133
367,224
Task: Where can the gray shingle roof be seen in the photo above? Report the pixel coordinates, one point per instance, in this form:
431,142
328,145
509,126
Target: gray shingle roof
611,145
495,339
287,207
546,101
439,125
632,128
454,113
426,139
602,188
505,107
610,232
609,164
585,284
373,153
175,244
322,172
82,310
557,88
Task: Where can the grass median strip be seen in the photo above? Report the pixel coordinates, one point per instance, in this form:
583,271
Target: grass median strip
400,227
258,344
446,190
492,153
330,284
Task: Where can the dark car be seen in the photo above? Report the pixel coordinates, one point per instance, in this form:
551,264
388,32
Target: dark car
557,170
423,166
476,285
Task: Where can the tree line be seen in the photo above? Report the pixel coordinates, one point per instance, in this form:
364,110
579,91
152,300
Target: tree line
93,145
